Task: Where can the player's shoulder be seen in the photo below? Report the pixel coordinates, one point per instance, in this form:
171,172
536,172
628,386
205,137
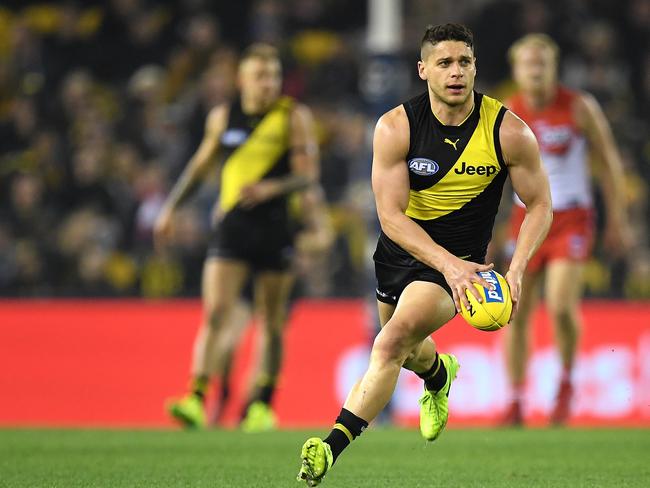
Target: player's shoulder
219,112
583,102
568,94
393,120
584,107
392,129
393,125
578,100
217,118
515,137
299,109
301,117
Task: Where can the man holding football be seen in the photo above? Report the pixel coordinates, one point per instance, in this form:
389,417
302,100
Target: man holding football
439,164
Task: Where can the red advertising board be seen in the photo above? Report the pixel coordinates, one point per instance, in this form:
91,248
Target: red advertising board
114,363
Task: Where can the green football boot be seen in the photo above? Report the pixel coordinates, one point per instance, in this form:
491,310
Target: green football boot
434,409
188,411
317,459
259,418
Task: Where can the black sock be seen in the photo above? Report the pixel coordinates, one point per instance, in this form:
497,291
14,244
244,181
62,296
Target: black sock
265,393
264,389
224,391
199,386
436,377
347,428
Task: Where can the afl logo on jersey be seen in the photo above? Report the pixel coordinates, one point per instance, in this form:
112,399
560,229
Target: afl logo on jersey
234,137
423,166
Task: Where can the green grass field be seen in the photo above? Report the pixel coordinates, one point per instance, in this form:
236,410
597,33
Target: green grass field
380,458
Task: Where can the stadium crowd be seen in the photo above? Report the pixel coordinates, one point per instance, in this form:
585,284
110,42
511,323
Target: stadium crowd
102,104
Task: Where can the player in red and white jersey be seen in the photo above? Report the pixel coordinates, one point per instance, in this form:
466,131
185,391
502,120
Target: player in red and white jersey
576,143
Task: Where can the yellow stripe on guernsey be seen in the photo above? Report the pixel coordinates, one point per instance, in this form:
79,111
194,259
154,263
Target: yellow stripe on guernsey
248,164
472,172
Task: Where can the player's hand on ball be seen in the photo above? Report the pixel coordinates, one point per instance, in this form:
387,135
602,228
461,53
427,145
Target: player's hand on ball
494,311
461,275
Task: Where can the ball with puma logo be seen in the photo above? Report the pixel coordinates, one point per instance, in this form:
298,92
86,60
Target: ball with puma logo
493,313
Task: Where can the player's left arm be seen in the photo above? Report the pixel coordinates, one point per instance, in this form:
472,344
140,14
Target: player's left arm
303,160
530,182
609,170
318,234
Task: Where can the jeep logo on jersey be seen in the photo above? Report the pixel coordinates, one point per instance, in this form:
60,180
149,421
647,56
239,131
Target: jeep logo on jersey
495,295
423,166
486,170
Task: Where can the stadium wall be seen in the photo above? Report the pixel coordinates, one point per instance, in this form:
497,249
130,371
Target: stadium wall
113,364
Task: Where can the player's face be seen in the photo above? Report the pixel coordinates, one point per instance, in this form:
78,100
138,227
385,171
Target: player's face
449,67
534,69
260,80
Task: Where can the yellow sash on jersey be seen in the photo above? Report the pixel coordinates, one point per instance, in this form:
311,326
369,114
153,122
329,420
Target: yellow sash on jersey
462,182
252,160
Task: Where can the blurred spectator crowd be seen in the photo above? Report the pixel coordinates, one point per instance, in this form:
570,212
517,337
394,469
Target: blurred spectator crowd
102,104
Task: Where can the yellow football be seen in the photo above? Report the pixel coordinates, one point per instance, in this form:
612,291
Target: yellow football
494,312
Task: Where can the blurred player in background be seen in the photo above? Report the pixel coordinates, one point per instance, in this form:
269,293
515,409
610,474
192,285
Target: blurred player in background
440,161
268,150
572,131
313,240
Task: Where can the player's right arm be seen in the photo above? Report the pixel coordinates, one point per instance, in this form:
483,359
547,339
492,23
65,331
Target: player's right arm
530,182
195,171
390,184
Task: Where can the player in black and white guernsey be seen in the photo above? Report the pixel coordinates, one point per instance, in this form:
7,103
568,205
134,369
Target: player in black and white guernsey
439,164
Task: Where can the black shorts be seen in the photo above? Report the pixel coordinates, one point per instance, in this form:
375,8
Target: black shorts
395,269
265,241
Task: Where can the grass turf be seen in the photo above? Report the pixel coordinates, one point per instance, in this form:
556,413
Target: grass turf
380,458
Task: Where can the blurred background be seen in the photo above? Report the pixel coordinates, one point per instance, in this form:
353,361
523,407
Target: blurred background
102,104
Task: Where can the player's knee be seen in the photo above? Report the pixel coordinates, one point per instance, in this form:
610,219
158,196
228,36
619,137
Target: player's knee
214,314
271,336
387,350
274,323
563,314
390,348
211,319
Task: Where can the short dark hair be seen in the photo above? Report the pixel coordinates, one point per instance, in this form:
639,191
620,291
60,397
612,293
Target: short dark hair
447,32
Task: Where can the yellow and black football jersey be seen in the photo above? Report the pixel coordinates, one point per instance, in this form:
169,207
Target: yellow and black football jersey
456,176
255,147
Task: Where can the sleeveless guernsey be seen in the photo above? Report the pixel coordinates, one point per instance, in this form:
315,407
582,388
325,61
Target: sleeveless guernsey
456,177
563,149
456,174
